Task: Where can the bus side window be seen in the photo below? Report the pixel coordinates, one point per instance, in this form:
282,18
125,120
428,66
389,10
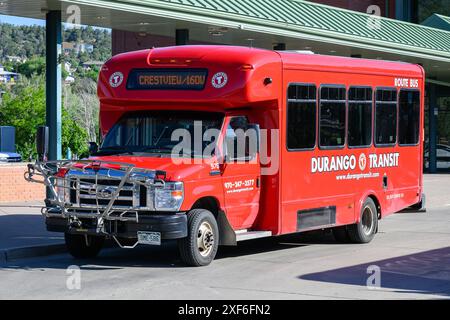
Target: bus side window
301,117
386,117
238,150
409,117
360,106
332,116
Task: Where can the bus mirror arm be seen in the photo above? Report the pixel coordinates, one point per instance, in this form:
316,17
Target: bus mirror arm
222,158
93,148
42,142
257,129
222,167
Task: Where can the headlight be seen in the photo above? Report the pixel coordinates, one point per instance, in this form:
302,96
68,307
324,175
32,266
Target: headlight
61,185
60,189
170,197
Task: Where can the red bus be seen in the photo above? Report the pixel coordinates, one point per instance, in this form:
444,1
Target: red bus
341,137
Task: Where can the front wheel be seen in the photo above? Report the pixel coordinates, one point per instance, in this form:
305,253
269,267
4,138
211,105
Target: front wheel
366,228
83,246
199,248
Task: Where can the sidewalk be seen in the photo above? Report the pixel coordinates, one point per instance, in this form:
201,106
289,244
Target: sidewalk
23,233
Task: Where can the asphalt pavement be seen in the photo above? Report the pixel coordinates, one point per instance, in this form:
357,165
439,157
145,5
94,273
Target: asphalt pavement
409,258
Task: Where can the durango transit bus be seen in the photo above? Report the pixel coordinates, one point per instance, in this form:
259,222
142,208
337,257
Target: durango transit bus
343,149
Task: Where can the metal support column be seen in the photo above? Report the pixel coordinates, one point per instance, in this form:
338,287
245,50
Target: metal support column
182,37
400,10
432,134
53,85
53,82
280,47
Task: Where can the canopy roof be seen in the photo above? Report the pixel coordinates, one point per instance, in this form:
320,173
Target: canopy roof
299,24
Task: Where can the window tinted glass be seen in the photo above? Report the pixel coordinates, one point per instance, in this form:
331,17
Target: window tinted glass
360,117
409,117
153,132
386,117
301,127
332,116
236,148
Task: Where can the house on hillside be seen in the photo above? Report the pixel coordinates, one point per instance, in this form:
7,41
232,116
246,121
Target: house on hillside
16,59
85,47
69,79
68,47
89,65
77,48
7,77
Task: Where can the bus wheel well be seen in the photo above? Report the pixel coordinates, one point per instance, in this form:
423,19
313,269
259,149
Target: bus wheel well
377,205
207,203
227,236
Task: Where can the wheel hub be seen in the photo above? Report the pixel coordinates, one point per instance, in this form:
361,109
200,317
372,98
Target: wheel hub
205,239
367,221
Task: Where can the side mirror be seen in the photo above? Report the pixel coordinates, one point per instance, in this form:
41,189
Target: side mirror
42,141
93,147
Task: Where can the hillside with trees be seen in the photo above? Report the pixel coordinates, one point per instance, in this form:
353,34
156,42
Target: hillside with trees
29,41
23,104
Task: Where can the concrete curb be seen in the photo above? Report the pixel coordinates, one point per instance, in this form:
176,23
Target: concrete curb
7,255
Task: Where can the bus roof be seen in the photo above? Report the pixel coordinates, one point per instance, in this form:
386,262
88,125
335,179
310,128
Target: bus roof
290,59
185,77
250,76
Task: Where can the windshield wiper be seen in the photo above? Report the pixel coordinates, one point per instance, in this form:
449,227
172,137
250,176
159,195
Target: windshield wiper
114,150
164,150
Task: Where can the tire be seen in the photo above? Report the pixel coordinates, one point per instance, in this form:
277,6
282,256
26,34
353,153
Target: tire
367,227
200,247
420,206
83,247
341,234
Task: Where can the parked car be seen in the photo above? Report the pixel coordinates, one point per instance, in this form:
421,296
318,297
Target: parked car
443,156
10,157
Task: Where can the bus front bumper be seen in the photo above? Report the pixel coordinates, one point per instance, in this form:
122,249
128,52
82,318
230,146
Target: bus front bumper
170,226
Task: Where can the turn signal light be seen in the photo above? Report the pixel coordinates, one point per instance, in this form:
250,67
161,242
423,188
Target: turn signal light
177,194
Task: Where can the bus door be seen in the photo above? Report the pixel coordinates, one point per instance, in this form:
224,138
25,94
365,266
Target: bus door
241,174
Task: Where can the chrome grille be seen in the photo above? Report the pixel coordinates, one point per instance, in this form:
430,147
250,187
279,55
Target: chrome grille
84,193
77,188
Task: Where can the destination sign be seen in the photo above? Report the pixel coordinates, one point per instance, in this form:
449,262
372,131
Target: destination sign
167,79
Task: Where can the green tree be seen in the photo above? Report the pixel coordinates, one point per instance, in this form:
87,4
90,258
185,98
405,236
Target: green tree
26,111
34,66
81,102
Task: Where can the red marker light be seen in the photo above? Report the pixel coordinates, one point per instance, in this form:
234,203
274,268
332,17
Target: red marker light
62,172
247,67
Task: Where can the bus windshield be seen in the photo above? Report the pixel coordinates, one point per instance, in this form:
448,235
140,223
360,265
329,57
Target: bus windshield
158,132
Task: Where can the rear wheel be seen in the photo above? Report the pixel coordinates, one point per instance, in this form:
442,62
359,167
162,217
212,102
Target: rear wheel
420,206
199,248
83,246
366,228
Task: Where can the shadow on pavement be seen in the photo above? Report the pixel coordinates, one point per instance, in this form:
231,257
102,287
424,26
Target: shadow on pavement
166,255
23,230
426,272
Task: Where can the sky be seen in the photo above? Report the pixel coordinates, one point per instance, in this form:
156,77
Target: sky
21,21
27,21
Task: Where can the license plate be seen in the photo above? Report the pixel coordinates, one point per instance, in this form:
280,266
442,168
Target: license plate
151,238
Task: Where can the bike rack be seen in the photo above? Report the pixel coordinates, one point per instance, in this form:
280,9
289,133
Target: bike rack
50,173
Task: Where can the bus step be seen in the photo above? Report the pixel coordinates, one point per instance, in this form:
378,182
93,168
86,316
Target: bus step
244,235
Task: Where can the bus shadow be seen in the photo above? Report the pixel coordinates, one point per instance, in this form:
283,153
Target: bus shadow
426,272
166,255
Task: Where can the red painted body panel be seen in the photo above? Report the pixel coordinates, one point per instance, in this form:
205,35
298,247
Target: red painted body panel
293,187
